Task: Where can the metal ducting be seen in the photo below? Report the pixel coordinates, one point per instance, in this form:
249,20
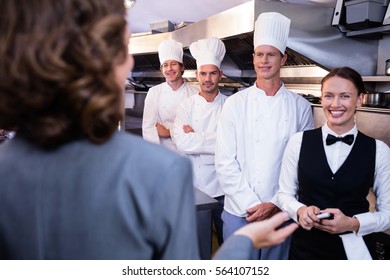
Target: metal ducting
314,45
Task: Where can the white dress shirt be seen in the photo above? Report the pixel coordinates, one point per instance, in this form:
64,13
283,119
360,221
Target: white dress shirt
160,107
252,134
199,145
336,154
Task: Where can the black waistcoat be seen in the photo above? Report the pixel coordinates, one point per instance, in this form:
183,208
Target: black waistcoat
347,190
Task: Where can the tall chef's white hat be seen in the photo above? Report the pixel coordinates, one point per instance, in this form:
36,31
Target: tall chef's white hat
170,50
271,29
208,51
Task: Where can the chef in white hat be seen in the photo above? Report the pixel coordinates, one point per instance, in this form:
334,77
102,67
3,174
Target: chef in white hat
272,29
162,100
196,122
254,128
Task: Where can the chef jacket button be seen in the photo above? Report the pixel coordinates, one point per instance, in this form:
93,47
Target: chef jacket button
332,178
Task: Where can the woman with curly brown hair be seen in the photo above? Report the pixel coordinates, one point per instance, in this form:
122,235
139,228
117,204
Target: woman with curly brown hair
73,186
57,78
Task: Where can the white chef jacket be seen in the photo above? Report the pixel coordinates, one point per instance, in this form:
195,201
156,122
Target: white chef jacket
252,134
199,145
336,154
160,107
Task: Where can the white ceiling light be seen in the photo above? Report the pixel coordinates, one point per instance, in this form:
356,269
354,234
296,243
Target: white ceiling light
129,3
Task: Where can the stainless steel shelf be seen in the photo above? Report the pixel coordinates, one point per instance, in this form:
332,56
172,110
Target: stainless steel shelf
369,31
384,79
374,110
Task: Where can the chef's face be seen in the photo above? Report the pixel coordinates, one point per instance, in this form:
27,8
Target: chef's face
339,100
267,61
172,70
208,77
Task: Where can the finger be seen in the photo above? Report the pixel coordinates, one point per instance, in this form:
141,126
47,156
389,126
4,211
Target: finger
312,216
287,230
281,234
307,227
279,219
251,217
307,221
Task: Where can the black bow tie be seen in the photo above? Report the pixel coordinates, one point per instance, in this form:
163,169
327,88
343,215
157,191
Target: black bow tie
347,139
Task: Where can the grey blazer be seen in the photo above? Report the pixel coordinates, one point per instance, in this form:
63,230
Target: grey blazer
124,199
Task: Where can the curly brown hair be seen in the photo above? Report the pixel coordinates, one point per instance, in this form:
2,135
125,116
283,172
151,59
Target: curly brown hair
57,78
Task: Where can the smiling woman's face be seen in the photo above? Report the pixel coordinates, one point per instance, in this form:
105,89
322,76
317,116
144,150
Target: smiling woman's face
339,100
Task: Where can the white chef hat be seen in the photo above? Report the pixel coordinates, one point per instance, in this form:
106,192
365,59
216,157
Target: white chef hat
271,29
170,50
208,51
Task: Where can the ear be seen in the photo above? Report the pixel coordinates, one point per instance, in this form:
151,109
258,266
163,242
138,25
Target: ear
284,59
359,101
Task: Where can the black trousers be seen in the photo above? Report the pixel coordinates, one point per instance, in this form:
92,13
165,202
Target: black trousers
216,217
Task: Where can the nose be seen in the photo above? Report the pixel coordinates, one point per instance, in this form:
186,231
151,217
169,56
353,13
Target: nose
336,101
264,59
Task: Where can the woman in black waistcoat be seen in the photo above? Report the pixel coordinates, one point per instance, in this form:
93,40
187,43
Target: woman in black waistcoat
331,170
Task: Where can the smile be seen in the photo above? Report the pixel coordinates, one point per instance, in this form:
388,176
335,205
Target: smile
336,113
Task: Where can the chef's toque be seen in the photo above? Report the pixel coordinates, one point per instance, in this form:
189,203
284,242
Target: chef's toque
170,50
208,51
271,29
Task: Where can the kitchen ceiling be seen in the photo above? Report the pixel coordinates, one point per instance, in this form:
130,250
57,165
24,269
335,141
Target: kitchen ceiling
146,12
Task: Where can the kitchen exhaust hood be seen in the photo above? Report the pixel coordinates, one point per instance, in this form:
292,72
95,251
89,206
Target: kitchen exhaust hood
315,45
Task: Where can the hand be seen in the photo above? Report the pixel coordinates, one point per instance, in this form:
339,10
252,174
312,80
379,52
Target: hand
265,233
339,224
307,216
162,131
262,211
187,128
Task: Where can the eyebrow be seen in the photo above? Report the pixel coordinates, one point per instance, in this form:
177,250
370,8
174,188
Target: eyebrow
344,92
211,72
274,53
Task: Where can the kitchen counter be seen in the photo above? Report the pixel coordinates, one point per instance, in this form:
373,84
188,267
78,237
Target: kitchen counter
204,204
203,201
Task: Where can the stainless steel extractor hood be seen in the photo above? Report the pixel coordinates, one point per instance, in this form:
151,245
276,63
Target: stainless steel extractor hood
314,45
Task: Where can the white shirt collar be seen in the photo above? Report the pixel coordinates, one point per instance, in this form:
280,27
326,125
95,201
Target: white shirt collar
326,130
